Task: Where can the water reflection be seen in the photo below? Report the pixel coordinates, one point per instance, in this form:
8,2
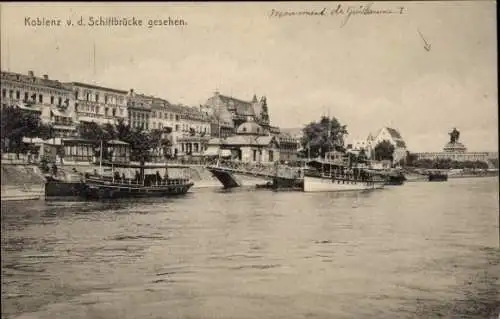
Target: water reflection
420,250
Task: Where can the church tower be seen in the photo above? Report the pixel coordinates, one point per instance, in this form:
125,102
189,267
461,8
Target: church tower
264,112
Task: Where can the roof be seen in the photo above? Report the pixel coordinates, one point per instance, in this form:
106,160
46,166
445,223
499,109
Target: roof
116,142
400,144
394,133
244,140
250,128
97,87
241,107
33,80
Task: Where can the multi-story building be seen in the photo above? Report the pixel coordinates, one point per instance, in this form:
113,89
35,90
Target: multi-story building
252,143
52,100
98,104
139,109
237,111
195,131
384,134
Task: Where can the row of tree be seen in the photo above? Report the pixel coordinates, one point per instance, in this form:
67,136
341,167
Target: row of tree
141,142
17,123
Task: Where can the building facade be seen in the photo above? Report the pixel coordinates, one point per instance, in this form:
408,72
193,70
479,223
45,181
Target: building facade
195,131
253,144
139,108
384,134
237,111
50,99
99,104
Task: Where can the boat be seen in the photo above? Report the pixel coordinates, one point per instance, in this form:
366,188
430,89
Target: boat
63,187
116,185
392,177
437,176
334,176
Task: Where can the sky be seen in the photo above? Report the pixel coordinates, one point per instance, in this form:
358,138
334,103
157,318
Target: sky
368,70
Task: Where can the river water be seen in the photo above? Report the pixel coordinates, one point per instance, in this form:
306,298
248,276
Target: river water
422,250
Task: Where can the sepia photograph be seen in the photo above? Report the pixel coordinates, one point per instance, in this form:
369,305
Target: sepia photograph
249,160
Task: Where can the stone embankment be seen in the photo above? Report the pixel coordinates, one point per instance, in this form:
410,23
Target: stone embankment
21,182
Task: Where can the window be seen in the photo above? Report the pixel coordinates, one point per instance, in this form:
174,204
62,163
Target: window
97,97
87,96
18,95
121,112
177,127
114,112
254,155
40,98
106,111
59,100
271,156
76,94
4,93
106,99
26,96
11,93
51,99
97,109
177,117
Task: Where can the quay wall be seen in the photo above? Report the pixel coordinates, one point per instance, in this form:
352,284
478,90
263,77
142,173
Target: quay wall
28,177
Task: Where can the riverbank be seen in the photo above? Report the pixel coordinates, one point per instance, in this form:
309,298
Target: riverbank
26,181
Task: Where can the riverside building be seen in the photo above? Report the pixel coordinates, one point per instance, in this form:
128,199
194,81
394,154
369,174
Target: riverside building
50,99
98,104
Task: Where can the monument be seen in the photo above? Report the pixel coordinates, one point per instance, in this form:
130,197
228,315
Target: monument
456,151
454,146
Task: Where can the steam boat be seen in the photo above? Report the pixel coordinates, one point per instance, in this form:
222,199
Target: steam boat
116,185
332,175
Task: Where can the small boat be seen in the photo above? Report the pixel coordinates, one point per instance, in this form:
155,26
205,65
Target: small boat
328,176
63,188
114,185
437,176
392,177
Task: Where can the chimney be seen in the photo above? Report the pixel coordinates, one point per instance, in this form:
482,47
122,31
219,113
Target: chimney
131,92
31,73
46,77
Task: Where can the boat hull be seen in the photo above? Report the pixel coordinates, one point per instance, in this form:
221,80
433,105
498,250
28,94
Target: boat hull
60,190
96,190
318,184
437,178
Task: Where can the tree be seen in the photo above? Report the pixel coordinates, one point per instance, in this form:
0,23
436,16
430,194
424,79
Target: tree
109,132
494,162
91,131
324,136
384,151
123,131
16,124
